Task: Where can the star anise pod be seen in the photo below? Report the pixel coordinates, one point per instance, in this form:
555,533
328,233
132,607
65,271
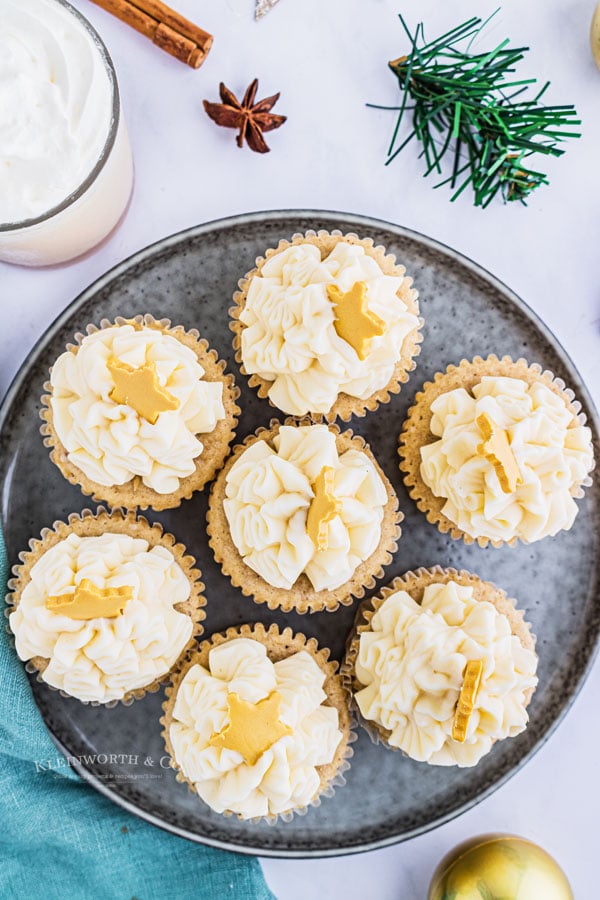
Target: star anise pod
249,117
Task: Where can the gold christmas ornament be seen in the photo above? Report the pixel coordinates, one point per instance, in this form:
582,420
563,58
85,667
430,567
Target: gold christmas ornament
595,35
499,866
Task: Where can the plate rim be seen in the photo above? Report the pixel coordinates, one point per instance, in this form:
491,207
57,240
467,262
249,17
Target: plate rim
365,222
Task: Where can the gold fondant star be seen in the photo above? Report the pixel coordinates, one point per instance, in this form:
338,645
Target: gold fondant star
354,322
91,602
252,728
496,448
466,699
323,509
140,389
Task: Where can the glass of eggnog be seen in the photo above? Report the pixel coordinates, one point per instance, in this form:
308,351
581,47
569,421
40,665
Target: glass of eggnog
66,170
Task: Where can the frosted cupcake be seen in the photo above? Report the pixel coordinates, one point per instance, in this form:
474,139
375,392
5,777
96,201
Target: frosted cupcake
302,517
139,413
104,606
326,325
441,666
495,450
257,725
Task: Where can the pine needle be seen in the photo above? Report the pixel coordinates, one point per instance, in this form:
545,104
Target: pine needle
466,115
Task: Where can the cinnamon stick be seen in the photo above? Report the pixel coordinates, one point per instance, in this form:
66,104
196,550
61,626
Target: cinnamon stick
164,26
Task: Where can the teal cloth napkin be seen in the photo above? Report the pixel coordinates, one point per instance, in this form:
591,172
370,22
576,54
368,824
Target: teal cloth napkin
61,839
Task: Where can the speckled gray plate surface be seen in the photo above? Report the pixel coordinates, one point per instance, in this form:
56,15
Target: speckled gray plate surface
190,278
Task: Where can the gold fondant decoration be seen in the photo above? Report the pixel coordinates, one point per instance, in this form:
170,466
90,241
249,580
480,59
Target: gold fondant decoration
496,448
252,727
140,389
91,602
323,509
466,699
354,321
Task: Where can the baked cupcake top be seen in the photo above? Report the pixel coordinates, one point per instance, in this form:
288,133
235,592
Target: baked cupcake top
508,459
131,401
446,678
249,733
101,610
318,327
299,506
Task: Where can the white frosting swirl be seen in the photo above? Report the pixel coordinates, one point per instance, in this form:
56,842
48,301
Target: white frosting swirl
103,659
290,338
55,106
110,442
553,452
412,661
269,492
285,776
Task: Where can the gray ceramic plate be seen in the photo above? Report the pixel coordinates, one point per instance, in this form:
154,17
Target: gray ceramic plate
190,278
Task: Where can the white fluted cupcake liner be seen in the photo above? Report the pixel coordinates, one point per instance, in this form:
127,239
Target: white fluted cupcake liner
279,644
416,431
302,597
134,493
88,524
345,406
414,583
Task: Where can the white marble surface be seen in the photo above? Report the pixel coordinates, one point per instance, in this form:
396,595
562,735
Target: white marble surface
328,59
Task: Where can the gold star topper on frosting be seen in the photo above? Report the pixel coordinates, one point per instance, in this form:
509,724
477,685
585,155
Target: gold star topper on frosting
466,699
140,389
496,448
354,321
91,602
252,728
323,509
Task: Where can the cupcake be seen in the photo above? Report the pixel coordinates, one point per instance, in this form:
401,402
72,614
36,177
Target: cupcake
256,723
440,666
302,518
494,451
104,606
326,325
139,413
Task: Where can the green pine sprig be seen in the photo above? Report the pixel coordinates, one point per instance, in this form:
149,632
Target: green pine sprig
470,114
